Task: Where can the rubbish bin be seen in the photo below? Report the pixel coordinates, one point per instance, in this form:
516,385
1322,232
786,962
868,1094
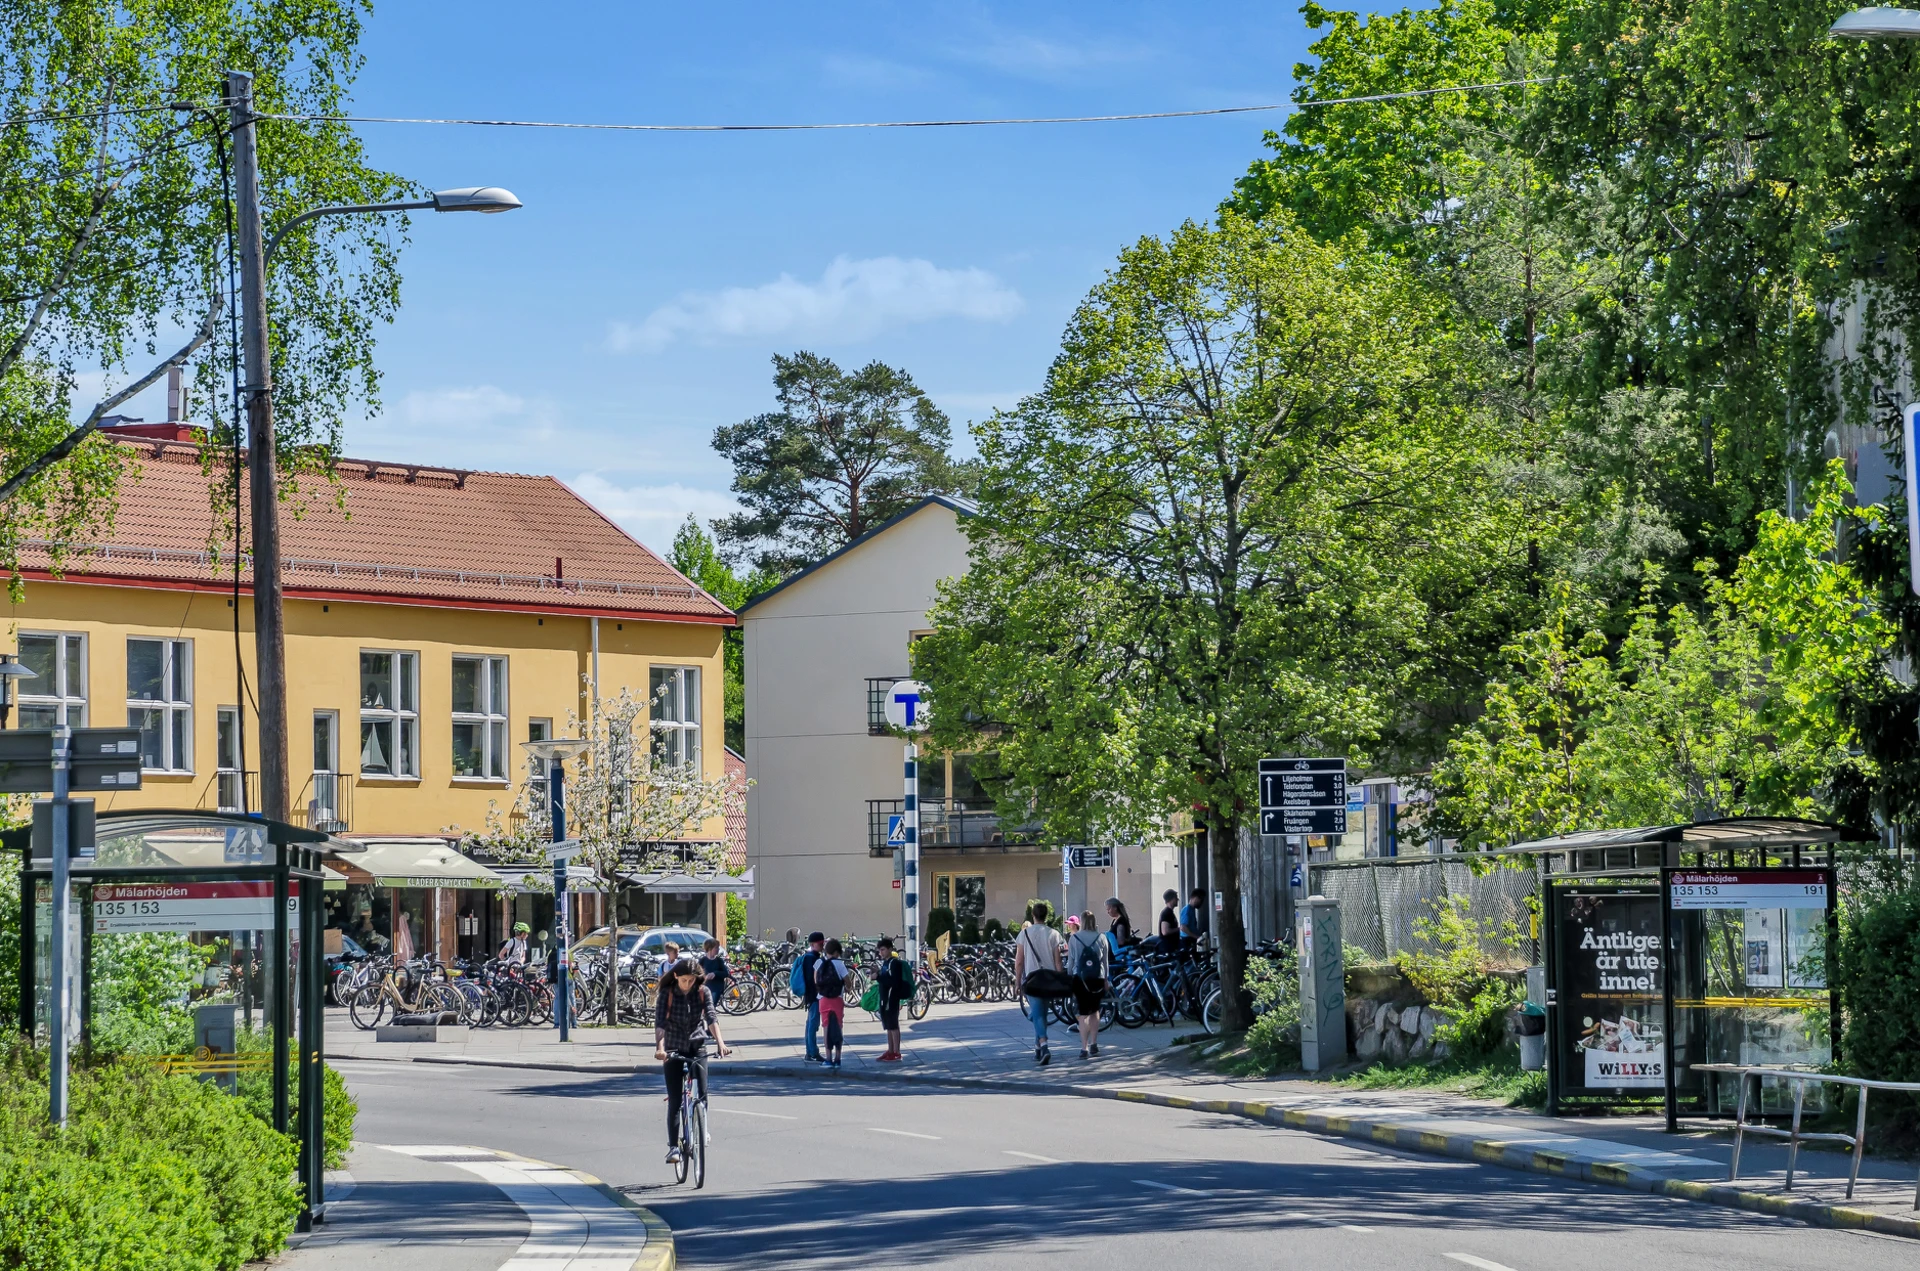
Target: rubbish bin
1533,1037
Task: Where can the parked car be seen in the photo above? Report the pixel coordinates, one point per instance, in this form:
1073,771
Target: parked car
648,940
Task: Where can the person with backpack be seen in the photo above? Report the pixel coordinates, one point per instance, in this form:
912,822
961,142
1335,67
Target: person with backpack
1037,949
803,988
1087,963
829,978
895,983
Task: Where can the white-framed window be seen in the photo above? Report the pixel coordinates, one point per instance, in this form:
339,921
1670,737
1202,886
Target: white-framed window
226,759
675,716
58,693
480,717
160,702
389,713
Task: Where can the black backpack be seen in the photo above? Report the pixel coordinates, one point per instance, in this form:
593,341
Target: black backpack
1086,964
825,978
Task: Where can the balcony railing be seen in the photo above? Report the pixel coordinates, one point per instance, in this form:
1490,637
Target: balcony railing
877,703
946,823
226,792
328,806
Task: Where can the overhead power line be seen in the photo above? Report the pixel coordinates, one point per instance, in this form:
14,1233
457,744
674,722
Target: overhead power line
910,123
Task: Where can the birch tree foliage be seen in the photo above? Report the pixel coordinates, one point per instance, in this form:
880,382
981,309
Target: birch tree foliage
1202,542
630,813
113,224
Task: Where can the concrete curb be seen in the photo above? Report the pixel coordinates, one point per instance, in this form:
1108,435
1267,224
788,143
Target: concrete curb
659,1254
1458,1146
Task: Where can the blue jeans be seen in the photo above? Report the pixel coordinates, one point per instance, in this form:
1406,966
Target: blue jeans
1037,1012
813,1029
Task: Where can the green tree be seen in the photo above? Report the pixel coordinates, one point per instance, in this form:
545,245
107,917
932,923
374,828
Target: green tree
845,452
113,222
696,555
1204,540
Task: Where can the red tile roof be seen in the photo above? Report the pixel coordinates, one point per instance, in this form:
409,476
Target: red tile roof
737,818
393,533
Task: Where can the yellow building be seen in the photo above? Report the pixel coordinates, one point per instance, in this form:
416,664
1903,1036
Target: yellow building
435,619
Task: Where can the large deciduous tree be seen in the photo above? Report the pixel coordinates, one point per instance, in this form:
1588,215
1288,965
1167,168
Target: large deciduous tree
113,226
845,451
1210,536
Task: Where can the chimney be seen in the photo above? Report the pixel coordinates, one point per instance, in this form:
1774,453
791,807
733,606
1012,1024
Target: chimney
176,396
559,570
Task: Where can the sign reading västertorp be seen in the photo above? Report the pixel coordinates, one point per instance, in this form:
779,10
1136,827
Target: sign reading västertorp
1303,796
1612,978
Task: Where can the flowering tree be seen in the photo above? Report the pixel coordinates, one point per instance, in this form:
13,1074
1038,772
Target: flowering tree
630,811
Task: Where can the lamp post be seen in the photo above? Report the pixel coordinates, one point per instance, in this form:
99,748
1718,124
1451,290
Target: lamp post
11,669
556,751
269,629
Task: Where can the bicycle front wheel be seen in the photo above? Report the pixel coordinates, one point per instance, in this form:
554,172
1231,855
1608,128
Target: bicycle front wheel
921,1003
697,1135
367,1007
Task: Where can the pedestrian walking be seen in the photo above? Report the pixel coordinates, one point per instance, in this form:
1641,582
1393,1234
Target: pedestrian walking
1037,949
1087,963
829,978
810,994
895,982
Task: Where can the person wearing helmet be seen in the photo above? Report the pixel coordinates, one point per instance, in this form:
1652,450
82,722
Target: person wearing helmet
514,951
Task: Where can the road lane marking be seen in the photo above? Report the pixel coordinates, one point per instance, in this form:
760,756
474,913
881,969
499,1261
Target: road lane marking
1169,1187
1302,1216
742,1112
905,1134
1481,1263
1033,1156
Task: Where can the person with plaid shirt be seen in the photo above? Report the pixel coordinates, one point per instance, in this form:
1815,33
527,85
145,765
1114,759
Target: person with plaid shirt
683,1019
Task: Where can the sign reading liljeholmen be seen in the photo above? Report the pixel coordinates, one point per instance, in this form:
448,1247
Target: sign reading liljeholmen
1303,796
119,908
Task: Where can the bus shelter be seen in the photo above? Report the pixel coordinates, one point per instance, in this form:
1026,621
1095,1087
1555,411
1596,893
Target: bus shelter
236,898
1676,945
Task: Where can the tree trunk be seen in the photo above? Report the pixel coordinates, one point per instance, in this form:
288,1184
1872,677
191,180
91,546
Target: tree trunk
1229,931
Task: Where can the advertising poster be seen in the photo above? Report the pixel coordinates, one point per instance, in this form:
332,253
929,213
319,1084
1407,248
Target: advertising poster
1612,977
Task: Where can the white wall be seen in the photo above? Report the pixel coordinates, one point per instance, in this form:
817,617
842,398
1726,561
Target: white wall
809,651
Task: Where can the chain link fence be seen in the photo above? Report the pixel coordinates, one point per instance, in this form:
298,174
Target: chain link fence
1382,899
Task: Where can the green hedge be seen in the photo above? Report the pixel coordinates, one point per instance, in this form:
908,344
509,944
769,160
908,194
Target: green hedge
256,1092
1879,980
152,1173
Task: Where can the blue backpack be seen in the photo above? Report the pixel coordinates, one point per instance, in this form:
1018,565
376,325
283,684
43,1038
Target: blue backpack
798,980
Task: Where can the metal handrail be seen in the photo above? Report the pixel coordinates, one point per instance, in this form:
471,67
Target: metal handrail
1800,1077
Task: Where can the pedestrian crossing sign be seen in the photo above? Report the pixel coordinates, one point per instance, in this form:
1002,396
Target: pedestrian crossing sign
897,830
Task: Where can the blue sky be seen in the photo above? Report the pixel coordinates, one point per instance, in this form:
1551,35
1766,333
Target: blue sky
602,333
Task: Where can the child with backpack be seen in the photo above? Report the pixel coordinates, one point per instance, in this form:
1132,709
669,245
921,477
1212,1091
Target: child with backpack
829,978
1087,963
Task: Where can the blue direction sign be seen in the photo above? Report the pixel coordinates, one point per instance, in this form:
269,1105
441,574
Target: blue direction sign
1303,796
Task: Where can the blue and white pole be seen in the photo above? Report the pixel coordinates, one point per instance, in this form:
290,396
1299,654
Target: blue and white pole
910,850
557,809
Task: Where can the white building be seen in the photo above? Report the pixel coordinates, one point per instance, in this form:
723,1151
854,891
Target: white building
821,650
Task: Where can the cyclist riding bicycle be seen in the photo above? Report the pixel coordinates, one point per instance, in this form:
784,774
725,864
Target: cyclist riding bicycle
684,1017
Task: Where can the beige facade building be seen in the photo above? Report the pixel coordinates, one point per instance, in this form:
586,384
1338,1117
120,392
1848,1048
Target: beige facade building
828,782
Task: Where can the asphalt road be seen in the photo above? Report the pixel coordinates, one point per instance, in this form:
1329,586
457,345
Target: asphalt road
805,1174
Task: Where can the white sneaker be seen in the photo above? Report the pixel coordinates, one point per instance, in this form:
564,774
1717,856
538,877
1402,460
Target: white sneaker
673,1156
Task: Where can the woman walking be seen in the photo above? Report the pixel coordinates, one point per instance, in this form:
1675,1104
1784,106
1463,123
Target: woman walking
1037,949
1087,963
829,978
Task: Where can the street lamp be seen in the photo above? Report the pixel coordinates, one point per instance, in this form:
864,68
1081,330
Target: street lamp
556,751
269,627
11,669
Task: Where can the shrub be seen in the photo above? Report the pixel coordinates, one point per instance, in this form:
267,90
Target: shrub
736,917
141,982
969,930
152,1172
939,922
255,1090
1274,986
1879,981
1458,975
994,930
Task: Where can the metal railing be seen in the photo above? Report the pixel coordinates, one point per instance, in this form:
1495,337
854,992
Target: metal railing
330,803
228,787
1795,1136
877,703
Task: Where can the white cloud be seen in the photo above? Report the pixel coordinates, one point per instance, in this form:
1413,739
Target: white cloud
441,407
652,513
853,299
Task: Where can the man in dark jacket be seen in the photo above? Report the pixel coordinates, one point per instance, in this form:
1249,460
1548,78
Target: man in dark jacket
895,982
815,943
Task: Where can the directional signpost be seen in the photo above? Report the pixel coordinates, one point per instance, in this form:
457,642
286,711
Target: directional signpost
1303,796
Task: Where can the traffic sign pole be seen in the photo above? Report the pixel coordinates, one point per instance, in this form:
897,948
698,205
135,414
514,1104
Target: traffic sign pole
61,915
910,851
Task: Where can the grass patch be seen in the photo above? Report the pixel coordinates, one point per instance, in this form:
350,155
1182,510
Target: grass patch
1498,1080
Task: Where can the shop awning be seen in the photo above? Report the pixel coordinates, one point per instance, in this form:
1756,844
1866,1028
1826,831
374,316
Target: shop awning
334,879
521,878
695,884
423,862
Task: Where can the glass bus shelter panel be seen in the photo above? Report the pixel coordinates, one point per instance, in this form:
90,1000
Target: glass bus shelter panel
43,963
1751,982
1610,984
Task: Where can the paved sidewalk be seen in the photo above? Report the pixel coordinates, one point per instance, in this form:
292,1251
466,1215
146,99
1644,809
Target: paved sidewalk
457,1208
990,1045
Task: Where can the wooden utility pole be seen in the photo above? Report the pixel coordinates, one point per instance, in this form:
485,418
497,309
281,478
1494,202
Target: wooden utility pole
269,629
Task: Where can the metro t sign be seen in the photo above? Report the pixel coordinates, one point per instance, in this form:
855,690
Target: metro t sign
906,706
